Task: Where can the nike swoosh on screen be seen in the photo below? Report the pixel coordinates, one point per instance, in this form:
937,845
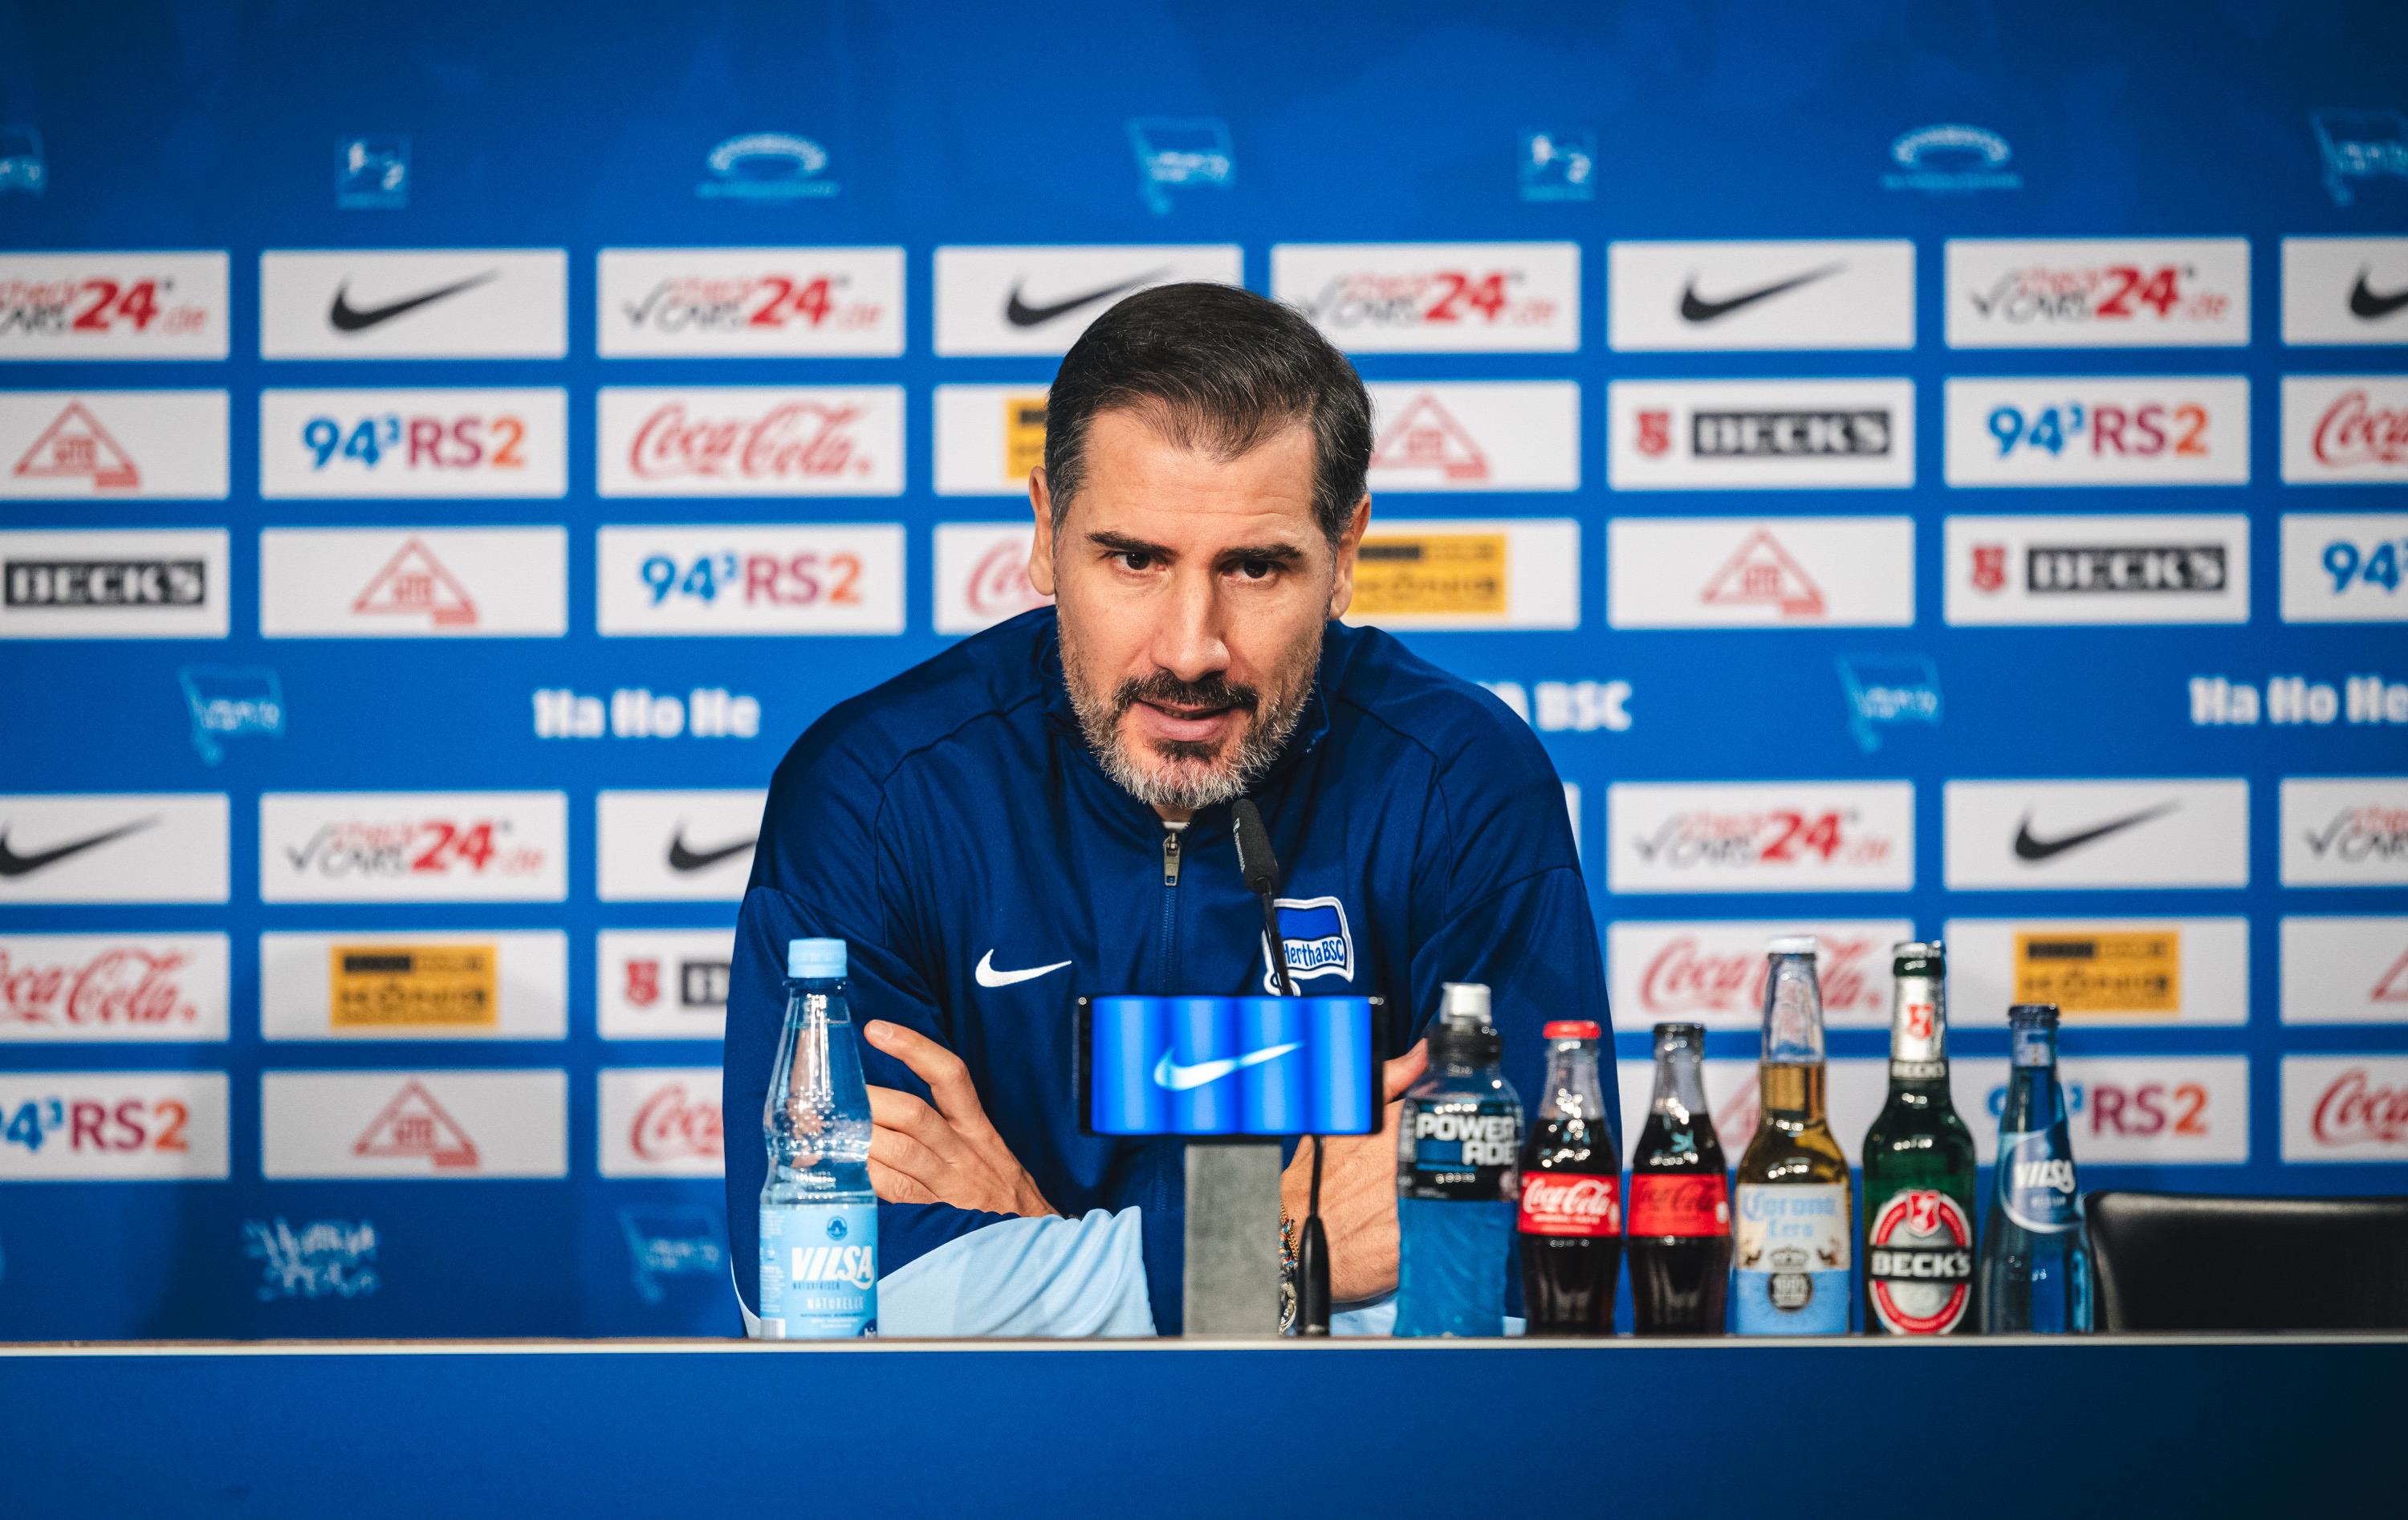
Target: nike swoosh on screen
1021,315
347,318
2365,303
12,864
1180,1079
683,859
989,977
1694,309
2028,847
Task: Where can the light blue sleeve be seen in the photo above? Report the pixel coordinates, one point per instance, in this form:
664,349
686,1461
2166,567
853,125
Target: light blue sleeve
1034,1277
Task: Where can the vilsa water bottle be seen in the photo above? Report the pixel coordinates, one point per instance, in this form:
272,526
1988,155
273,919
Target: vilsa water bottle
819,1218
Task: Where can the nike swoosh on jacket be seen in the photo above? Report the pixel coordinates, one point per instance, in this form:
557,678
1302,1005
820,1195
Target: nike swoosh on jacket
956,808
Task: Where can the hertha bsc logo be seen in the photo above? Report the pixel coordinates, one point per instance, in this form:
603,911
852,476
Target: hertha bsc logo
1318,942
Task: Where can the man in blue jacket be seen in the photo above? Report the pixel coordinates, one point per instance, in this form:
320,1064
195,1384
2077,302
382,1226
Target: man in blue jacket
1044,812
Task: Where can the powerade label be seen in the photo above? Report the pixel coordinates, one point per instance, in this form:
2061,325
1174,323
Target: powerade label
2036,1183
1569,1203
819,1271
1460,1150
1919,1262
1692,1203
1792,1275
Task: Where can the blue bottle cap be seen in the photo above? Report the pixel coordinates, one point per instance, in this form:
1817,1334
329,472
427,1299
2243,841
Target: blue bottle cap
815,960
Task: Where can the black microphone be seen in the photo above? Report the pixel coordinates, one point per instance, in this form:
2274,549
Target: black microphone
1260,868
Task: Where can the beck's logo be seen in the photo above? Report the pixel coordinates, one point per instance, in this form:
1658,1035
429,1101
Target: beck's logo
1314,932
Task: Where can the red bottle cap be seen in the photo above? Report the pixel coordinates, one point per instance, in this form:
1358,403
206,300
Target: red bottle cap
1571,1030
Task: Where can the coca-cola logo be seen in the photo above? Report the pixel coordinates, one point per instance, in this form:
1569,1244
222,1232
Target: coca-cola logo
1574,1196
999,586
1686,976
669,1126
2354,1112
794,440
117,987
2354,431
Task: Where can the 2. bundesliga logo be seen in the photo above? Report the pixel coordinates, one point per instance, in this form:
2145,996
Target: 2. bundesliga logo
1314,933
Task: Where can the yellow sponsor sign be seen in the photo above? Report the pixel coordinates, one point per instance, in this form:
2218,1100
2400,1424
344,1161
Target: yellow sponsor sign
1431,574
1023,434
413,986
2122,971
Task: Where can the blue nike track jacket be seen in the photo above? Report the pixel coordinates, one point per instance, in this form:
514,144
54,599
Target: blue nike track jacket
953,827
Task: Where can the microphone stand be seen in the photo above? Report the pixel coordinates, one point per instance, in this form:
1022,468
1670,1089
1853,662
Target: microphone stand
1313,1243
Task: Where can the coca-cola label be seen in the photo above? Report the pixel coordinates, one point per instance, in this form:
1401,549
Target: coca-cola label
1712,972
660,1122
2037,1186
1570,1203
113,987
1460,1150
1684,1204
1919,1262
2343,427
2345,1107
1790,1267
752,440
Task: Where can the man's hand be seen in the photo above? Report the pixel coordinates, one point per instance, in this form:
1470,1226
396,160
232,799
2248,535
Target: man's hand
1358,1193
947,1154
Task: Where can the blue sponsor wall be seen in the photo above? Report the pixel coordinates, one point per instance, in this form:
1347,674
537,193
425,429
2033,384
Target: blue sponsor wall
128,130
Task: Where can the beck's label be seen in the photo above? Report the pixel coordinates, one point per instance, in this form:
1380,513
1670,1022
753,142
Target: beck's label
1792,1273
1569,1203
1918,1037
1919,1262
1458,1150
819,1271
2037,1187
1682,1204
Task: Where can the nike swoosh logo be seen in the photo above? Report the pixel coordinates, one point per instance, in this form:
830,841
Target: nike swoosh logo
1179,1079
350,319
1020,314
2028,847
683,859
989,977
12,864
1692,309
2365,303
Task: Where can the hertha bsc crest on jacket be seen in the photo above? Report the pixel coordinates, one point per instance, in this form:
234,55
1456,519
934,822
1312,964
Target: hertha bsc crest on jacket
1318,942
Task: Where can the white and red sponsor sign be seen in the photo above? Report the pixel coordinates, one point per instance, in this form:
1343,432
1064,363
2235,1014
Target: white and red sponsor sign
113,445
68,847
420,303
112,1125
315,986
2083,568
112,306
1854,1089
2136,1110
660,1122
1570,1203
114,987
1435,298
732,302
1449,435
663,983
2098,292
2345,290
347,444
1712,972
1039,299
749,579
2345,830
2344,429
1712,435
414,583
414,847
438,1126
751,440
2345,1107
676,846
2038,835
115,583
1750,295
2085,430
2344,567
2349,969
1760,836
1770,572
983,575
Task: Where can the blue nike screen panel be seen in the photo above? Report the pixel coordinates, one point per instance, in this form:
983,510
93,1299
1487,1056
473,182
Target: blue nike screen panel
1230,1065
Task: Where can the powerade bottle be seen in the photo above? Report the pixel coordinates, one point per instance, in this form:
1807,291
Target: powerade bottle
819,1218
2035,1262
1458,1149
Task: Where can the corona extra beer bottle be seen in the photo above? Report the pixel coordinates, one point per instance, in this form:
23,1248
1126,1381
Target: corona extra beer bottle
1790,1268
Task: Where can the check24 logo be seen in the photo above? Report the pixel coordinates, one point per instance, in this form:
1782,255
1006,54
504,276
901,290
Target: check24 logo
429,847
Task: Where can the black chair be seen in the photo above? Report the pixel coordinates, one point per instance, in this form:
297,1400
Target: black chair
2175,1261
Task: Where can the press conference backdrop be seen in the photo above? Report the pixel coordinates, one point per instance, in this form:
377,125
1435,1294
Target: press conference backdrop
1919,473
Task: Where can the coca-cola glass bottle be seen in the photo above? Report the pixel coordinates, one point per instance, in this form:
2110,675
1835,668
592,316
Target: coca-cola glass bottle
1570,1219
1680,1199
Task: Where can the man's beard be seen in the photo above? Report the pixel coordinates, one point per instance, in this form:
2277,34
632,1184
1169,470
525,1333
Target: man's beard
1194,773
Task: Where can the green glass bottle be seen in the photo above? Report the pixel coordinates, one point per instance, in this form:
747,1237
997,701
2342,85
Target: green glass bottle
1918,1241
